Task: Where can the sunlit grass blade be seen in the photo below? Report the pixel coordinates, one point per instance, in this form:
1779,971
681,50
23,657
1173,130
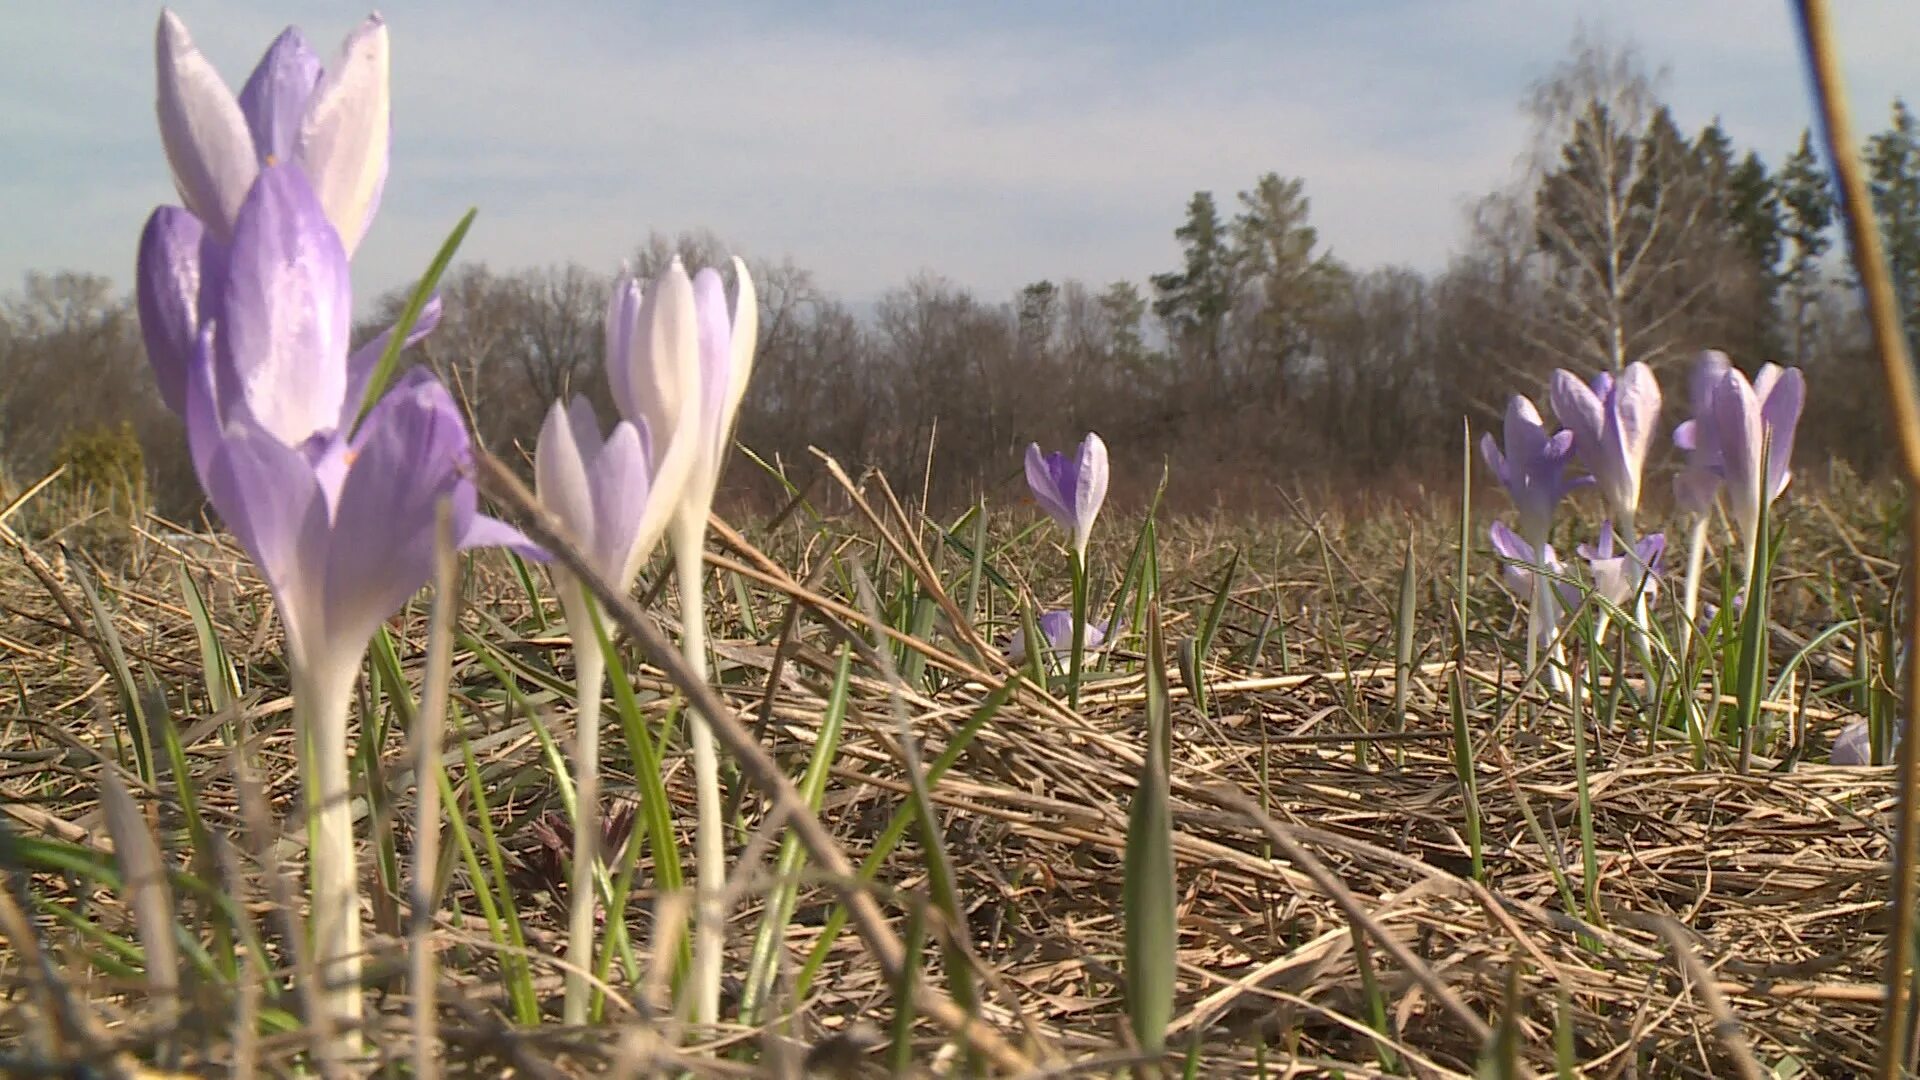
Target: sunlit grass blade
1149,894
1403,640
131,699
216,671
768,940
1463,765
389,363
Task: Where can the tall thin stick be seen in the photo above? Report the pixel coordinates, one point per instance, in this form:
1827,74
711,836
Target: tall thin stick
1896,371
426,764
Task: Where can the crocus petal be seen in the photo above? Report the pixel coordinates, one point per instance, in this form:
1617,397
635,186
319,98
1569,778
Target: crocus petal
202,129
345,137
288,309
366,359
663,368
274,101
1706,373
168,295
746,333
1490,453
623,332
411,451
716,362
1045,490
1090,488
1579,410
1780,412
560,477
1526,433
1736,416
486,532
1634,415
1695,489
1508,544
621,482
586,430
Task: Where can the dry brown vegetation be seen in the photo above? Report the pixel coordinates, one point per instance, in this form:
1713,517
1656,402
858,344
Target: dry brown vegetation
1736,917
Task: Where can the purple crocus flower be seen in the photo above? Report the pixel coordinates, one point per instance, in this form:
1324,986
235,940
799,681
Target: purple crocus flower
1057,628
1532,466
1854,744
1698,484
1753,425
1071,489
334,122
340,522
1617,574
599,486
1613,422
1520,561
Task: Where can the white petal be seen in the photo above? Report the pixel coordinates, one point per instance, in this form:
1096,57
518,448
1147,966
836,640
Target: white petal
560,479
344,142
204,132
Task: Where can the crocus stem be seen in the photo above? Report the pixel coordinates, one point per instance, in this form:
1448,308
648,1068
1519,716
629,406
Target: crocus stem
589,666
322,696
1690,598
709,840
1078,648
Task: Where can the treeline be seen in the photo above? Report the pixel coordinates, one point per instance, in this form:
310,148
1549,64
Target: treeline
1261,359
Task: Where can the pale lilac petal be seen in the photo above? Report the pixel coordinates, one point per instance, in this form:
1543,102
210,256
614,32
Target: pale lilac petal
1090,488
662,377
347,132
1736,415
1508,544
1526,434
168,297
1695,489
623,332
274,101
746,333
486,532
1046,491
586,430
412,450
288,310
621,482
1490,453
1780,412
716,361
1635,415
1706,374
202,129
560,477
1580,411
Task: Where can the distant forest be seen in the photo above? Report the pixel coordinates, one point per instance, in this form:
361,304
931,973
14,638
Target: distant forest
1259,360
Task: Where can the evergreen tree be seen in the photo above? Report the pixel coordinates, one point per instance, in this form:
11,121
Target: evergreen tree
1893,166
1806,204
1287,284
1124,309
1194,302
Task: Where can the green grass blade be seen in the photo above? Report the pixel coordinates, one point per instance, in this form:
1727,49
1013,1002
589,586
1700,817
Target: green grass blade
1149,894
389,364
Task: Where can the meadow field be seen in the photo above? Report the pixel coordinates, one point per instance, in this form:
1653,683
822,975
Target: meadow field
1395,853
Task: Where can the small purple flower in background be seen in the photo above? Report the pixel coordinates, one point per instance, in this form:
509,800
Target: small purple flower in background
1698,483
1532,466
1057,628
1854,744
1613,421
1521,565
1617,574
1071,489
334,122
1753,427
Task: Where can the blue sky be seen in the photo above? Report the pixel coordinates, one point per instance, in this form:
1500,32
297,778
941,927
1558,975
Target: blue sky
994,143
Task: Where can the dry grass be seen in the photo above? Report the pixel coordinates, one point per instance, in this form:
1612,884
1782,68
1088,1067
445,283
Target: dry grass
1738,914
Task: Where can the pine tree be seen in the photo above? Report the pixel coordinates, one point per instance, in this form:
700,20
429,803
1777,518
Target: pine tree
1286,283
1893,168
1194,302
1124,309
1806,201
